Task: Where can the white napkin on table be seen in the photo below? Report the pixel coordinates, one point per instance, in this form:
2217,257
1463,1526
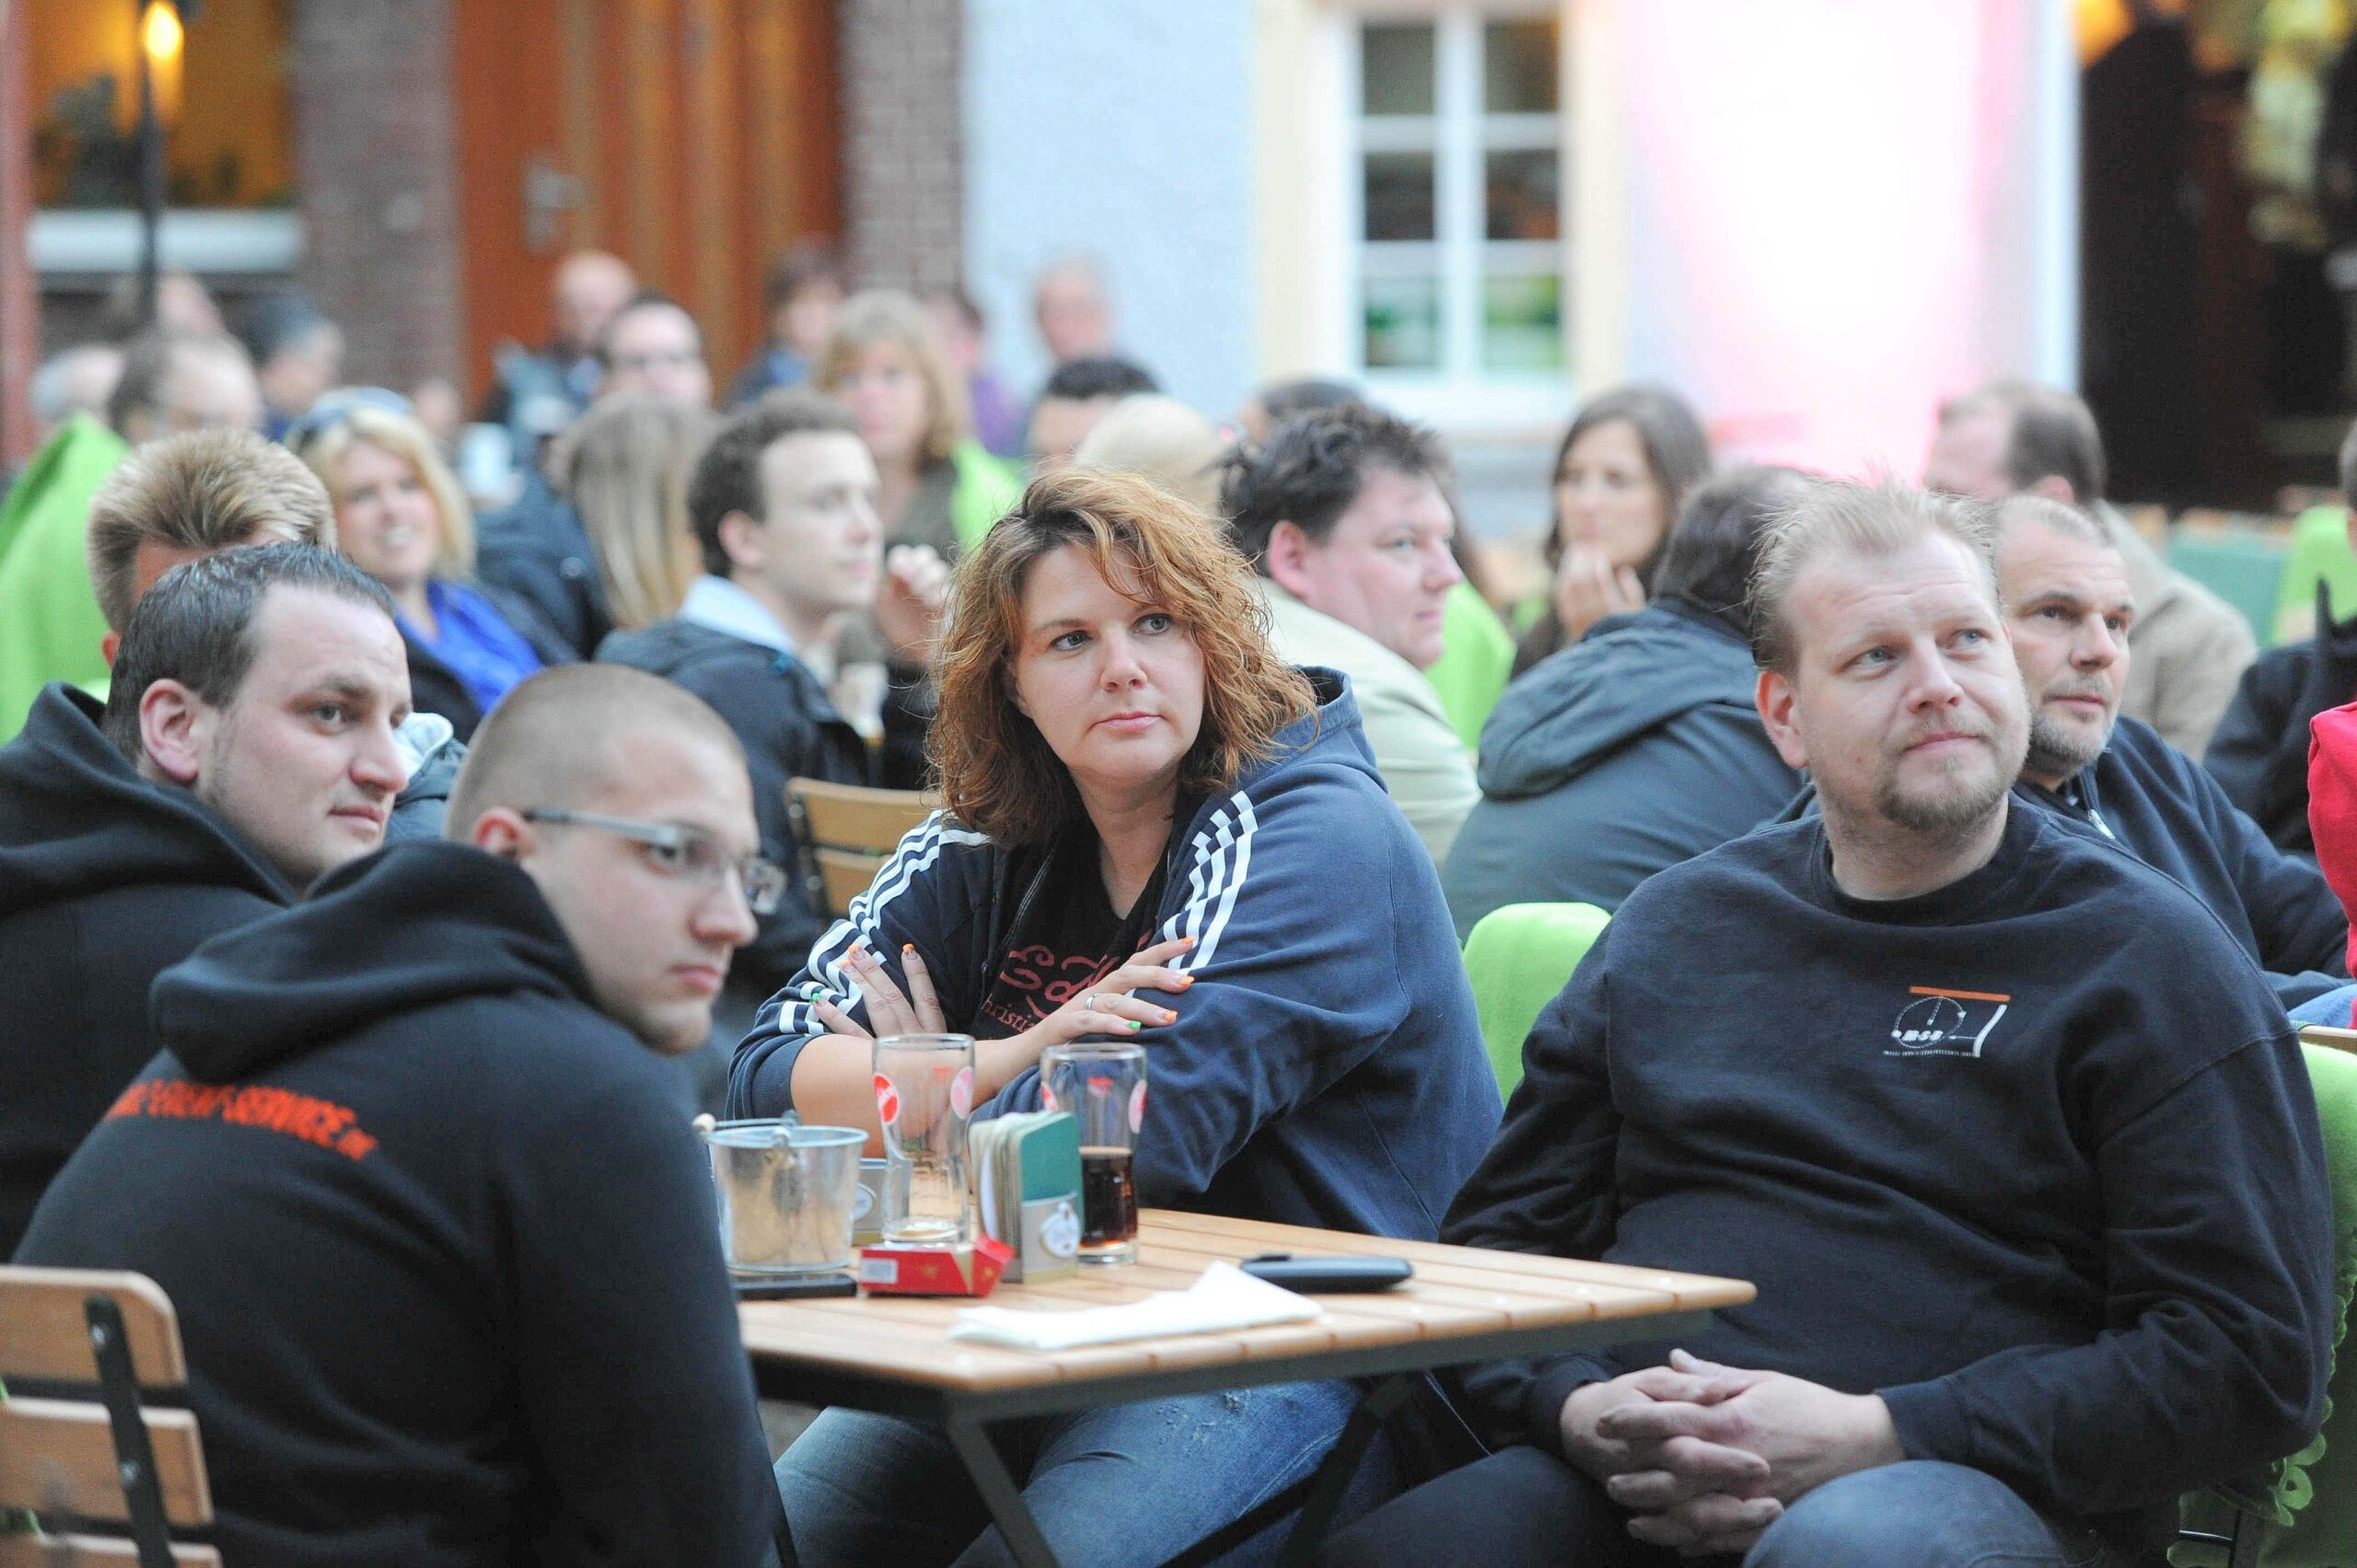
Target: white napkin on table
1224,1298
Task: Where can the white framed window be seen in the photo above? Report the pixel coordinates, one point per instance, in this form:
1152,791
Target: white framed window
1455,208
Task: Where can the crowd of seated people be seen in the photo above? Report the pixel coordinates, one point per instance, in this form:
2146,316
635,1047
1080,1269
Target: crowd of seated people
381,910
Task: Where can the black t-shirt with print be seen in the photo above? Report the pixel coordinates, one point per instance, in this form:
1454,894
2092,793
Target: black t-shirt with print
1068,939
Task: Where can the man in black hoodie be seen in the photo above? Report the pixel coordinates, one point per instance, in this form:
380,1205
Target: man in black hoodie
247,746
441,1240
783,506
2010,1135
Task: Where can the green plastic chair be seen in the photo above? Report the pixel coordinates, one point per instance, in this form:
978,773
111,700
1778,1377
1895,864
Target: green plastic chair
1476,654
2306,1512
2320,554
2240,565
1519,957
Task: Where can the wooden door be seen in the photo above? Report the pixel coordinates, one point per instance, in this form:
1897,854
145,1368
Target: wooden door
696,139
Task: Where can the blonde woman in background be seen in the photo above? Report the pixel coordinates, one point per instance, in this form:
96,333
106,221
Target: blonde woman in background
624,465
403,518
940,487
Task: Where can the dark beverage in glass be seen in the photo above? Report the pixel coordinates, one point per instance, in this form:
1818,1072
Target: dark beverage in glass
1102,1084
1109,1202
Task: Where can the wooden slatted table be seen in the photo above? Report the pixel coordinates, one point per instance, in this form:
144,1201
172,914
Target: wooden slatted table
892,1353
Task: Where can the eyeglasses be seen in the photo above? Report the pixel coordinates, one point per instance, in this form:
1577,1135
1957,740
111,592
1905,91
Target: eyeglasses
681,851
334,408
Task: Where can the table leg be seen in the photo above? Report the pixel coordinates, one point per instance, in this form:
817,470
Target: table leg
996,1483
1341,1462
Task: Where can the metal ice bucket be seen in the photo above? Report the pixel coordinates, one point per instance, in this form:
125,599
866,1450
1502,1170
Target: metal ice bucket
787,1195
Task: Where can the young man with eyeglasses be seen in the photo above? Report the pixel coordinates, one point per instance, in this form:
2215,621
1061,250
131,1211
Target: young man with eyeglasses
424,1195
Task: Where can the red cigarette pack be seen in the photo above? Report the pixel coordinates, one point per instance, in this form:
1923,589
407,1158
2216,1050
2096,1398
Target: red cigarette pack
970,1270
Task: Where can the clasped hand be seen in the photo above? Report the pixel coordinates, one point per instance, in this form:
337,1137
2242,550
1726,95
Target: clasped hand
1105,1007
1706,1455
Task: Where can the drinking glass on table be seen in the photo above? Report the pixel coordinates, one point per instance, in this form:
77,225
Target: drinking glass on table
1103,1085
924,1097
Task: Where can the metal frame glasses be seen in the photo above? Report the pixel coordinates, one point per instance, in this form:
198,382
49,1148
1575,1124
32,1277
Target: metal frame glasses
683,851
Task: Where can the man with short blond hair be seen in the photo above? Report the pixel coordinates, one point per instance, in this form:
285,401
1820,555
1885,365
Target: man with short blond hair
188,496
2010,1135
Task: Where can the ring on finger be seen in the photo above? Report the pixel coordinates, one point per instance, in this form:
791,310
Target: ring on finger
1088,1003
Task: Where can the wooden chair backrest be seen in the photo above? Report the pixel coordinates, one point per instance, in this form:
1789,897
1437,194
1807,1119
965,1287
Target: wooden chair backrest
848,830
57,1455
91,1552
46,1338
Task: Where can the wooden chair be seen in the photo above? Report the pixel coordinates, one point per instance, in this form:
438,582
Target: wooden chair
846,831
69,1337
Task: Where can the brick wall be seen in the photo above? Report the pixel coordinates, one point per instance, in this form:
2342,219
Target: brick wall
376,167
902,146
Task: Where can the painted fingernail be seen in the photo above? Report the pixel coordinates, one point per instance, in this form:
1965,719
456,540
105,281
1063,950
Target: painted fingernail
1185,980
1168,1016
1135,1026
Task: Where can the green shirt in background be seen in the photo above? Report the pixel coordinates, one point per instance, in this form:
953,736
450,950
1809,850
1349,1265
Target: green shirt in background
49,624
1476,655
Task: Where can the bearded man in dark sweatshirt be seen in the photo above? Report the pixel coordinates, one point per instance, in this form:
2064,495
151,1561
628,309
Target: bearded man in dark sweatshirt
424,1195
2008,1130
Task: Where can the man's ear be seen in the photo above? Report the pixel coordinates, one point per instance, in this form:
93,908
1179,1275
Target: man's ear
173,724
741,540
110,645
1287,559
502,831
1774,697
2054,487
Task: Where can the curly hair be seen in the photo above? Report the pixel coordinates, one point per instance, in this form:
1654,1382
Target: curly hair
1312,469
996,771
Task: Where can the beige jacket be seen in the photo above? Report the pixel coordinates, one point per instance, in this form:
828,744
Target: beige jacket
1422,762
2187,648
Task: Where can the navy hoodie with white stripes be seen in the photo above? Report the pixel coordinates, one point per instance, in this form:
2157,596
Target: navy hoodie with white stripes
1327,1067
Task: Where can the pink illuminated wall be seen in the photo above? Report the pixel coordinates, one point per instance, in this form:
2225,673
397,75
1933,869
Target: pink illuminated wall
1840,211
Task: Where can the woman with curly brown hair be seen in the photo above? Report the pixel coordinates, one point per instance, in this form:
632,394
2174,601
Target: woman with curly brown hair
1155,828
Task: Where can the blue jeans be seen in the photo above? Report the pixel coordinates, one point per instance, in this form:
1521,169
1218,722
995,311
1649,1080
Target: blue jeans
1525,1508
2332,1008
1126,1485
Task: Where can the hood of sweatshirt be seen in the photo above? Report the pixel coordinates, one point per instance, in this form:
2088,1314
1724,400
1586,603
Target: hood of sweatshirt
76,819
408,928
1330,736
1631,674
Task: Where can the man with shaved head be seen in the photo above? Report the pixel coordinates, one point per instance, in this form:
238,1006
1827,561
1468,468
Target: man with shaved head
442,1240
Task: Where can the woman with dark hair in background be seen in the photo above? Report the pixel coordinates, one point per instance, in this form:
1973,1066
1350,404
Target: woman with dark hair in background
1639,746
1621,476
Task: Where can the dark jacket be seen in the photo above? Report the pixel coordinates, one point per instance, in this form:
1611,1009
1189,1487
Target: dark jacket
789,728
1633,749
1327,1066
435,687
2260,752
537,549
105,880
442,1244
2174,816
2032,1155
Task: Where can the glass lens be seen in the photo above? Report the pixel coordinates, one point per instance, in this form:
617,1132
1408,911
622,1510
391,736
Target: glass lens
1402,324
1518,67
1400,195
1522,197
1395,69
1522,323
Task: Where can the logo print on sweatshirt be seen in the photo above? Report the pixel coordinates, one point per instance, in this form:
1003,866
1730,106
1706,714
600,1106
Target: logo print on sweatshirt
1940,1022
314,1120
